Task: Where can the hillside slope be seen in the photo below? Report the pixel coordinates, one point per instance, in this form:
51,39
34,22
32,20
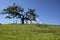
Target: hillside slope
29,32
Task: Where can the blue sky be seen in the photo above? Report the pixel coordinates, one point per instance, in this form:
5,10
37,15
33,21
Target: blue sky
48,10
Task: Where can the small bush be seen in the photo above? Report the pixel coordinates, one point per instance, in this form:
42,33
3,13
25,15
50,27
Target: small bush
42,25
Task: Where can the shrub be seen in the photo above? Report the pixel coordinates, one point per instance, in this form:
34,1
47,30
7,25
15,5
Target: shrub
42,25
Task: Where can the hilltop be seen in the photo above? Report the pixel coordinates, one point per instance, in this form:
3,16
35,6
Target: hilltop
29,32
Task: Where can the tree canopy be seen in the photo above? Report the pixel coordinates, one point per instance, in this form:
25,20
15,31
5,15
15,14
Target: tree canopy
18,12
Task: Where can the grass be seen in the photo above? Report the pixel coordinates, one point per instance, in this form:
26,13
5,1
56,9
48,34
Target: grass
29,32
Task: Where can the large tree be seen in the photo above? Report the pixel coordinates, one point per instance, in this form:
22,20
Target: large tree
14,11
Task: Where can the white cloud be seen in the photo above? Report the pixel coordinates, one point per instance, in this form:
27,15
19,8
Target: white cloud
35,22
37,19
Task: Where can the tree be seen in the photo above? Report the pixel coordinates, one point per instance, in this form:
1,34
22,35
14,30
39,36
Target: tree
30,15
15,11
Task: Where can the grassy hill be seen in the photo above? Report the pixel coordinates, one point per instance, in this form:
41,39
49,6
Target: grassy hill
29,32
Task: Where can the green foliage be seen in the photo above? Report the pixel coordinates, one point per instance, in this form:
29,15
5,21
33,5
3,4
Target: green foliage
31,15
28,32
13,10
17,11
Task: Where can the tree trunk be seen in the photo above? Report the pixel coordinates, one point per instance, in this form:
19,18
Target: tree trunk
22,19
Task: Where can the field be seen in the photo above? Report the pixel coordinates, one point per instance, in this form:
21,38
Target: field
29,32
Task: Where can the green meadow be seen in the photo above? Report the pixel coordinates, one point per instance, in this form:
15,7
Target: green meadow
29,32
